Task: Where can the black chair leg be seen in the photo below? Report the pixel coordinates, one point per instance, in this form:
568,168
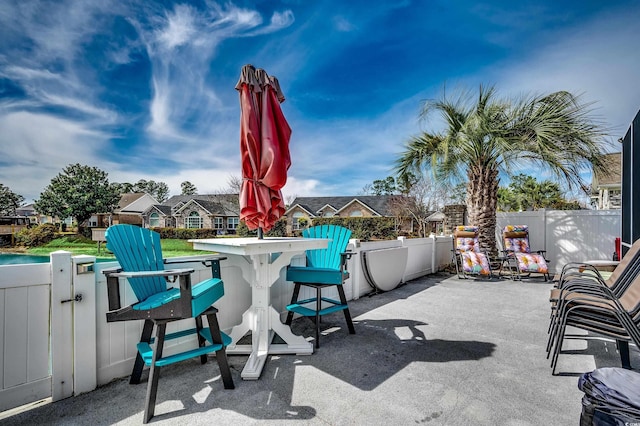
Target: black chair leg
625,359
138,365
347,314
154,374
318,308
221,355
294,299
201,340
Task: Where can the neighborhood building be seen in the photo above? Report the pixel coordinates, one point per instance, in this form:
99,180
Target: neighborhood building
212,211
305,209
606,189
129,210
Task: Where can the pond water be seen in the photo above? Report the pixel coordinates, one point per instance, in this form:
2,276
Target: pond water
18,259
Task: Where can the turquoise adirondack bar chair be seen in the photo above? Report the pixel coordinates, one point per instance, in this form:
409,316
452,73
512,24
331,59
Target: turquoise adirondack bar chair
325,268
140,256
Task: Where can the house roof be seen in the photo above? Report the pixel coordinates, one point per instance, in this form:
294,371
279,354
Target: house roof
377,203
136,202
164,210
613,165
215,204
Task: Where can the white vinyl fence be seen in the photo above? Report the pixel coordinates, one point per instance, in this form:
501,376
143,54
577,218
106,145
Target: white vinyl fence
54,343
568,235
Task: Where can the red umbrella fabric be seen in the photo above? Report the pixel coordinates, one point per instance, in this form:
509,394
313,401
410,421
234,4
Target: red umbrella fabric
264,148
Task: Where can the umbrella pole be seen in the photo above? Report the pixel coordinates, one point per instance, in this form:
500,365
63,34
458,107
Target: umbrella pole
260,234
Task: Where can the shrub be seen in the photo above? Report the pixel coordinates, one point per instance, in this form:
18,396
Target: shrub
363,228
243,231
185,233
37,236
278,230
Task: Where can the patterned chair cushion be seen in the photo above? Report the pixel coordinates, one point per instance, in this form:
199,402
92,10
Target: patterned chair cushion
516,238
467,244
475,263
466,238
530,262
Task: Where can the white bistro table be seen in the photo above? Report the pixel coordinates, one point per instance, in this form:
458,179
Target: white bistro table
261,261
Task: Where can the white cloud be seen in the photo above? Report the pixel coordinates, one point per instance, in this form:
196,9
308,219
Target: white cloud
36,147
179,30
184,105
598,59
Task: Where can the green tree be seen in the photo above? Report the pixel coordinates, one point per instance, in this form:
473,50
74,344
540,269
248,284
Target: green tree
78,191
508,201
526,193
384,186
123,188
188,188
485,135
158,190
9,201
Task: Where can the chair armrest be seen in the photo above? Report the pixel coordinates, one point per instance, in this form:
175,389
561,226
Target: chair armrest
113,288
204,261
343,259
543,253
109,271
212,262
509,253
145,274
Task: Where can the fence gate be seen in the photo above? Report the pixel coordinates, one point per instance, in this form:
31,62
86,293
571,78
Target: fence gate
36,337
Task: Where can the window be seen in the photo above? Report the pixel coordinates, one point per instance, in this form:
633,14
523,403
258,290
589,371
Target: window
193,220
328,213
154,220
232,222
218,223
356,213
295,224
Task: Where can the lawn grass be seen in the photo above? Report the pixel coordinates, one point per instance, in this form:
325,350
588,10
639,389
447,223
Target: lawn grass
78,245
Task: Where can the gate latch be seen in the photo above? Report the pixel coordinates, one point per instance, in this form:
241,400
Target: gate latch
78,298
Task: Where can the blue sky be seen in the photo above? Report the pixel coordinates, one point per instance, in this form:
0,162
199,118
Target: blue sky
145,89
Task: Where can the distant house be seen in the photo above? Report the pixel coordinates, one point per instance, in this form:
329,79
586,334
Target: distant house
35,218
28,210
606,189
129,210
305,209
212,211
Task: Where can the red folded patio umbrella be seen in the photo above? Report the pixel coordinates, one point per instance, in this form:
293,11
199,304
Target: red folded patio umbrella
264,149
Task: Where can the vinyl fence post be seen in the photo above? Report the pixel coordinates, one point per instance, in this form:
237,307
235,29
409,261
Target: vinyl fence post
84,324
61,326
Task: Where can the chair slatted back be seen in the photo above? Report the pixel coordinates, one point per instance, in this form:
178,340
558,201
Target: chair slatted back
329,257
138,249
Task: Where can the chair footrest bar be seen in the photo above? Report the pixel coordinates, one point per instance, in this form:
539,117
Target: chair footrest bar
146,351
309,312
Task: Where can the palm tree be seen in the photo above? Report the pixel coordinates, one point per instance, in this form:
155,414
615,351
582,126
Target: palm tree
485,135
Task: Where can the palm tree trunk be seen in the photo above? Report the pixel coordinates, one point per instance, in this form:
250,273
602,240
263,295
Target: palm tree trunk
482,200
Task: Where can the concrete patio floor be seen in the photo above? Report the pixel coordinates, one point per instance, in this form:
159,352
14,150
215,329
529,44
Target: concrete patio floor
437,350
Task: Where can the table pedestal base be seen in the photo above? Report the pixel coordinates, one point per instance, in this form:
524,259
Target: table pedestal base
261,340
